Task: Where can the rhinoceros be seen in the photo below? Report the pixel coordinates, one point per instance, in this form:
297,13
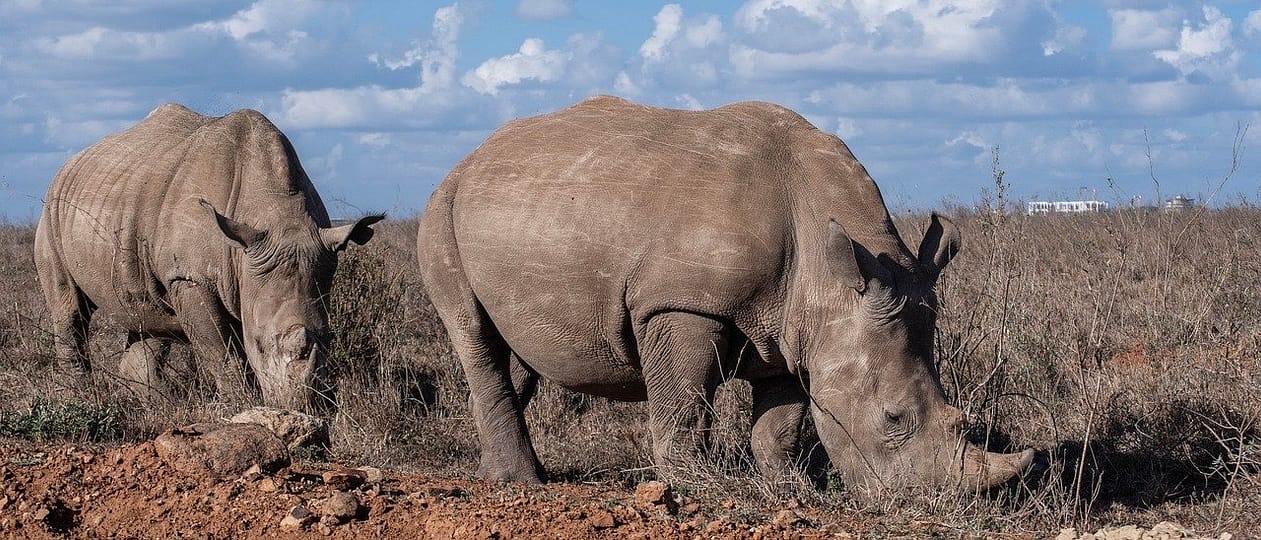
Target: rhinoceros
197,229
640,253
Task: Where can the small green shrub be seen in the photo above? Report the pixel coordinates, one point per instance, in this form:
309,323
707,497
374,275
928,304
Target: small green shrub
45,420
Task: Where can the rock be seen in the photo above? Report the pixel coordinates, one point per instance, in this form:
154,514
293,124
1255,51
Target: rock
371,474
1127,532
786,518
296,429
221,450
341,506
1168,530
649,494
601,519
268,485
297,518
343,479
1067,534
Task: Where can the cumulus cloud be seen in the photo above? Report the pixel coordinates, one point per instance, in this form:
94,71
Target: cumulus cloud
533,61
682,52
1143,30
1207,49
437,56
667,22
540,10
897,37
269,30
434,101
1252,24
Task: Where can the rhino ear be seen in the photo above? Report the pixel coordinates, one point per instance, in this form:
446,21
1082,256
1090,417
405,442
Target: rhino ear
843,260
234,233
359,232
941,242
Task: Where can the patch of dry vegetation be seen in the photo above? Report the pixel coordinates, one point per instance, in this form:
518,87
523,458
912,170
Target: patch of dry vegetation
1125,343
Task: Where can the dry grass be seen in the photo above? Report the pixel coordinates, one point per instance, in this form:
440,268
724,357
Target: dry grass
1124,343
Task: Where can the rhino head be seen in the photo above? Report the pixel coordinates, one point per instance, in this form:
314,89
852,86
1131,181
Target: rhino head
876,396
283,279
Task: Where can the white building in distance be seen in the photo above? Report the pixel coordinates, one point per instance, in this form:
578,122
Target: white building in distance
1049,207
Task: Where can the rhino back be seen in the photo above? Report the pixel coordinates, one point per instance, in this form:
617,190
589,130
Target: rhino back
574,228
124,218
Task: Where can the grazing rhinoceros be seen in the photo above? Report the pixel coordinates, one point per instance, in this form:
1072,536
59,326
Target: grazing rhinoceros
199,229
648,254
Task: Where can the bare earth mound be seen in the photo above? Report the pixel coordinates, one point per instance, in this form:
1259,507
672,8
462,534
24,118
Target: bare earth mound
54,491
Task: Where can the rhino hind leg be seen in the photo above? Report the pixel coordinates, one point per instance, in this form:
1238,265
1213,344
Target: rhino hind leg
681,354
70,310
497,403
142,367
208,326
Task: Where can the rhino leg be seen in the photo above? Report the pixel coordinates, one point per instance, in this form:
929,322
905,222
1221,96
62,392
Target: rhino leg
498,412
70,310
207,324
779,407
142,365
681,353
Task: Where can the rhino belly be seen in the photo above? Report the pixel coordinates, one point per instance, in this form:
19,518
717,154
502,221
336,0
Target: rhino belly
567,338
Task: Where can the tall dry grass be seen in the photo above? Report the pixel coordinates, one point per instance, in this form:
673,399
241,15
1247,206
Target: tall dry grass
1123,343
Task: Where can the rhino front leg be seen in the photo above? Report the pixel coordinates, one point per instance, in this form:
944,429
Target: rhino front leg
208,326
779,408
681,354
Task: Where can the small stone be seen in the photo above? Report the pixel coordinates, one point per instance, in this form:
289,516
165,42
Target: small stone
343,479
786,518
689,509
1169,529
372,474
1067,534
4,501
297,518
1225,536
41,513
1128,532
728,504
341,506
253,473
324,528
716,525
653,493
601,519
268,485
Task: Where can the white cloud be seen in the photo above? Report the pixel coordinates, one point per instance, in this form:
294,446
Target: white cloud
900,36
1143,30
1252,24
544,9
687,101
374,139
531,62
437,56
1207,49
668,21
624,85
1066,37
1175,135
269,30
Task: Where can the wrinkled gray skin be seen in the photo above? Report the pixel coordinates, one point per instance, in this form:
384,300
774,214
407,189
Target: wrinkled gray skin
648,254
197,229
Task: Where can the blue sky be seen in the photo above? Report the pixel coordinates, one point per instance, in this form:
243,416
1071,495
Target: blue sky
382,98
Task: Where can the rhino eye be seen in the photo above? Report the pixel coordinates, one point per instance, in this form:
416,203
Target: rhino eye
893,416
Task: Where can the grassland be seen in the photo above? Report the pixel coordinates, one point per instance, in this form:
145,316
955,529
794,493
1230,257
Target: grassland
1126,344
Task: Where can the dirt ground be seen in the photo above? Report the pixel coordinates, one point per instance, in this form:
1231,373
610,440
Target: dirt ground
62,490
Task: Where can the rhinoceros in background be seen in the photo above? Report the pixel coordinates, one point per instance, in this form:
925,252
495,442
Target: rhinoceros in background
199,229
640,253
